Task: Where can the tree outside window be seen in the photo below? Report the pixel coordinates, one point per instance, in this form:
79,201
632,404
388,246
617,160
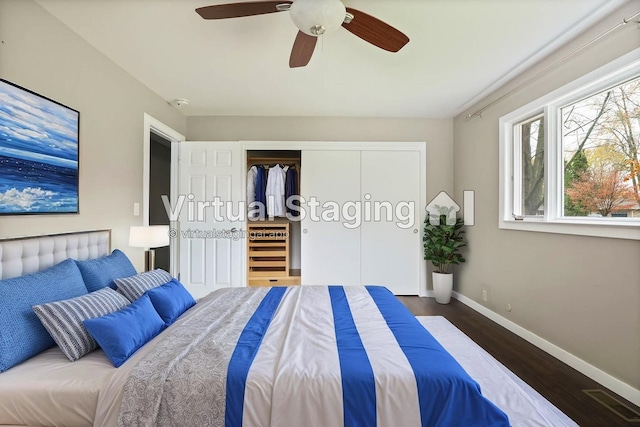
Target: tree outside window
600,138
532,149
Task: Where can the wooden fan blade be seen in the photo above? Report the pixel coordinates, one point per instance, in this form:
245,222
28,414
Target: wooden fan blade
236,10
375,31
302,50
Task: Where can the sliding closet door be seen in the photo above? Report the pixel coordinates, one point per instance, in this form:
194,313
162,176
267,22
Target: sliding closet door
210,249
330,250
391,249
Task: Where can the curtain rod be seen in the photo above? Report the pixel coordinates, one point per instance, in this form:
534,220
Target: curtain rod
625,21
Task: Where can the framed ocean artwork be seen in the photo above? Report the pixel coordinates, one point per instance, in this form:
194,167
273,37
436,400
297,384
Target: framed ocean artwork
39,153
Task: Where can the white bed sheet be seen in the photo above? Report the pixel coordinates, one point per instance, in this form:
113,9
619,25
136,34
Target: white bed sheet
524,406
48,390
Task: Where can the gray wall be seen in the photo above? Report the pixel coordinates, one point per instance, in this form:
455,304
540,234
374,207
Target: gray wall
40,53
438,133
580,293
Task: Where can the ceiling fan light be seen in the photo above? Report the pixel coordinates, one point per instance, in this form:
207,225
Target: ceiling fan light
316,17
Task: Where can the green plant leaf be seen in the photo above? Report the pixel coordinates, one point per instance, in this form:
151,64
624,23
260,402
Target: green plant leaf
442,243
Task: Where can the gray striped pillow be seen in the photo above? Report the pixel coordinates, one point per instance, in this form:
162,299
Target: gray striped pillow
135,286
63,319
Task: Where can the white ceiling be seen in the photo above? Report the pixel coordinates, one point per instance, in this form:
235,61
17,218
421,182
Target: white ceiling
459,50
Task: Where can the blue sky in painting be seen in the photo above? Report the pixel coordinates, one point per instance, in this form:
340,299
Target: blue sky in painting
33,128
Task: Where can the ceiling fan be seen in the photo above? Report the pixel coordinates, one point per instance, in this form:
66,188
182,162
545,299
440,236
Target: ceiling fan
314,18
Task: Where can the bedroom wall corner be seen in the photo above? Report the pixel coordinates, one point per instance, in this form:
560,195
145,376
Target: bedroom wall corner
40,53
578,293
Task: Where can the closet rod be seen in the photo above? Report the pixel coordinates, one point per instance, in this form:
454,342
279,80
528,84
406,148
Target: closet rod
289,162
624,21
278,159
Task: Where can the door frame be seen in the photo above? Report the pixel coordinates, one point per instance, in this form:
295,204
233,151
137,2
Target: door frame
151,124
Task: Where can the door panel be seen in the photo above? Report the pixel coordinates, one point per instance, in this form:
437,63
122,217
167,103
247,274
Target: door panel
209,257
195,272
330,251
391,254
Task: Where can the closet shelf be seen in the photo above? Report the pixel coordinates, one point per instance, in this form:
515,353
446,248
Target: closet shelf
268,254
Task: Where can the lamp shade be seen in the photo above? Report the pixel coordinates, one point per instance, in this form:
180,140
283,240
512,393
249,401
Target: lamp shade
316,17
149,236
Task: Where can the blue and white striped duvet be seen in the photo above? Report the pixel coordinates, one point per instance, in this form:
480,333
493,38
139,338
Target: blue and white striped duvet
346,355
309,356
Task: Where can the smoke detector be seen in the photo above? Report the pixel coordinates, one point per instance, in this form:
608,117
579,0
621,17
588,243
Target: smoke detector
181,102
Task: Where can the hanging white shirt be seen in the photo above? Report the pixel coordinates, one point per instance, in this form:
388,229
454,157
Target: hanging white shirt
275,192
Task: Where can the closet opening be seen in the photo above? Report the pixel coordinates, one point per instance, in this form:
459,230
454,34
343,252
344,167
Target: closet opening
274,232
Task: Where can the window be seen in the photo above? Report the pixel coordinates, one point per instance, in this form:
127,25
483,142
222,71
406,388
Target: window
570,161
529,138
600,143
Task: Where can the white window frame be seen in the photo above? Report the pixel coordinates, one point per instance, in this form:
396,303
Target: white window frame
517,163
550,105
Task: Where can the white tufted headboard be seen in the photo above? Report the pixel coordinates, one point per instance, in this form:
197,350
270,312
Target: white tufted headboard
27,255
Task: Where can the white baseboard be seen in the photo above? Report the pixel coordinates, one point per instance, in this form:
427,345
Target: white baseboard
621,388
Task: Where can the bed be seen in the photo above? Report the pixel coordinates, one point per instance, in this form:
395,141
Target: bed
277,356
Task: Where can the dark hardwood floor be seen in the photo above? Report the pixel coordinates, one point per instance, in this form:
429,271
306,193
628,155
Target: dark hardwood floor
556,381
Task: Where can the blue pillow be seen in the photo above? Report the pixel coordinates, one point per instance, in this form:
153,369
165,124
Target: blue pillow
171,300
100,272
122,332
21,334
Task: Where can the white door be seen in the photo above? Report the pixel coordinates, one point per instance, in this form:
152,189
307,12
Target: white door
391,246
330,250
210,181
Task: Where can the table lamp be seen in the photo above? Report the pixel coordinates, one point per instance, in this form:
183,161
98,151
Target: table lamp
149,237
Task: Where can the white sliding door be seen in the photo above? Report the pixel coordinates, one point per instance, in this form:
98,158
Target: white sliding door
330,250
390,239
210,253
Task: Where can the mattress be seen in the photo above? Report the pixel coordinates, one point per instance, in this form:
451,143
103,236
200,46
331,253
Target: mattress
49,390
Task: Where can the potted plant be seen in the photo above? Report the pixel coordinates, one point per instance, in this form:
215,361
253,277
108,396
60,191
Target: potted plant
442,243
